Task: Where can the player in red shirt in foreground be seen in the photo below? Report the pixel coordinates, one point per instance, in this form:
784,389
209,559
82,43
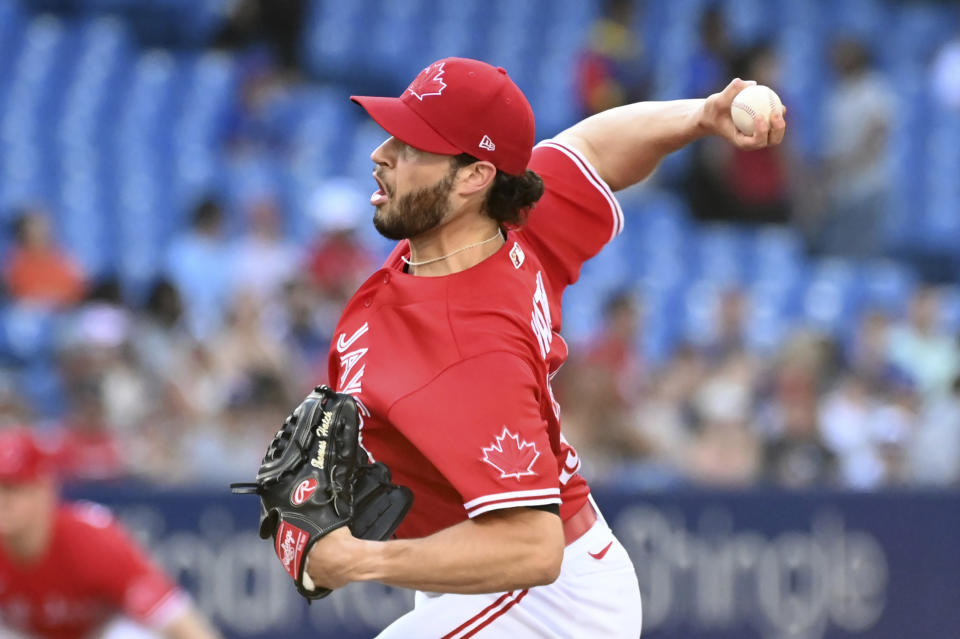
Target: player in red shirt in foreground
69,569
449,350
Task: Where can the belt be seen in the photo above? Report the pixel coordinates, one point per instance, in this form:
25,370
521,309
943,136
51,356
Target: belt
576,526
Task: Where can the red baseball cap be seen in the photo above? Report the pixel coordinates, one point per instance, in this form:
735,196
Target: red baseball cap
459,105
21,459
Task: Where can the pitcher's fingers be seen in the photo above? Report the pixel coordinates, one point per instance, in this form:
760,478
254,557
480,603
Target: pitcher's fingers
778,128
761,132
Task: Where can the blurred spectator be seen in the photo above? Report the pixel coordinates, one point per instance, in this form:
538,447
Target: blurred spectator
198,264
97,362
757,180
847,427
307,336
789,391
710,63
339,261
724,454
794,453
859,115
894,428
726,451
219,452
86,447
667,417
258,122
129,397
945,74
162,338
726,395
706,186
200,390
611,70
615,353
921,348
276,22
934,455
600,391
869,356
245,350
799,458
263,261
38,271
13,408
729,334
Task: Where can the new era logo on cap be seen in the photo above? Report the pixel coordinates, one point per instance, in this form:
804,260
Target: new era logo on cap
487,143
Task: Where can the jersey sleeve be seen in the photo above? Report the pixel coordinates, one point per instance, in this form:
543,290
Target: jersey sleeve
125,575
577,215
479,424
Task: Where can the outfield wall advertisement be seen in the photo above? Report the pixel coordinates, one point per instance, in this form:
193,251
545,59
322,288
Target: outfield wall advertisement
738,565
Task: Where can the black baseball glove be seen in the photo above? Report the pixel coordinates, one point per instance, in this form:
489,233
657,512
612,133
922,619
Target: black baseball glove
316,478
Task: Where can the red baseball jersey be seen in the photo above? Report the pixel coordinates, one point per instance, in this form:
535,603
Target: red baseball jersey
92,572
452,373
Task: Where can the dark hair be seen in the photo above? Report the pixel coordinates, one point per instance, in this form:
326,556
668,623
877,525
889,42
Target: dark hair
512,197
207,214
164,302
620,300
743,65
107,290
19,226
20,219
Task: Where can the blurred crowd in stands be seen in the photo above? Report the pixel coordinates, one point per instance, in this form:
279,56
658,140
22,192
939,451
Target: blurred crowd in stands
884,412
190,382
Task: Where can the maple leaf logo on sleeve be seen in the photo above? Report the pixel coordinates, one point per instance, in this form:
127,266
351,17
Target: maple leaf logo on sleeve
429,82
512,456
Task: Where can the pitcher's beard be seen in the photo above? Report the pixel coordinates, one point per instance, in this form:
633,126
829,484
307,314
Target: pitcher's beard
414,213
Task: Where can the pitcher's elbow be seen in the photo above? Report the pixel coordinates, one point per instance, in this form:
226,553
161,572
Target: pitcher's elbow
548,565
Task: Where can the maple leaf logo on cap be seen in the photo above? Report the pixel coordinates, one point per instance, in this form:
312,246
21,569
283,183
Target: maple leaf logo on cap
429,82
512,456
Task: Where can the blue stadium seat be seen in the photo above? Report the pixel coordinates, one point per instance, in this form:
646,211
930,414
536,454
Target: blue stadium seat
950,308
941,223
700,303
661,328
866,19
39,383
886,286
831,299
27,333
769,316
721,253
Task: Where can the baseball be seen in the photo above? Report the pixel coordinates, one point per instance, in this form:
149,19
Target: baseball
756,100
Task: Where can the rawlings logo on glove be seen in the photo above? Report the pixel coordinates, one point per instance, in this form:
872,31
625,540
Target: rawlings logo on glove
303,491
315,478
291,548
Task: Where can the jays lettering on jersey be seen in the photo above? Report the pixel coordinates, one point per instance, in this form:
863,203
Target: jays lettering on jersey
452,374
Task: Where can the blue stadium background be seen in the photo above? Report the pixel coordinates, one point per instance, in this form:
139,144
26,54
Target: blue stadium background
114,114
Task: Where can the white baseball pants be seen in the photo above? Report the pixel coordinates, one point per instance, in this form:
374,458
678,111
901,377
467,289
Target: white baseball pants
596,595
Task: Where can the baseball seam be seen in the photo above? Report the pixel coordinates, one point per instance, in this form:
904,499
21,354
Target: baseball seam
745,107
